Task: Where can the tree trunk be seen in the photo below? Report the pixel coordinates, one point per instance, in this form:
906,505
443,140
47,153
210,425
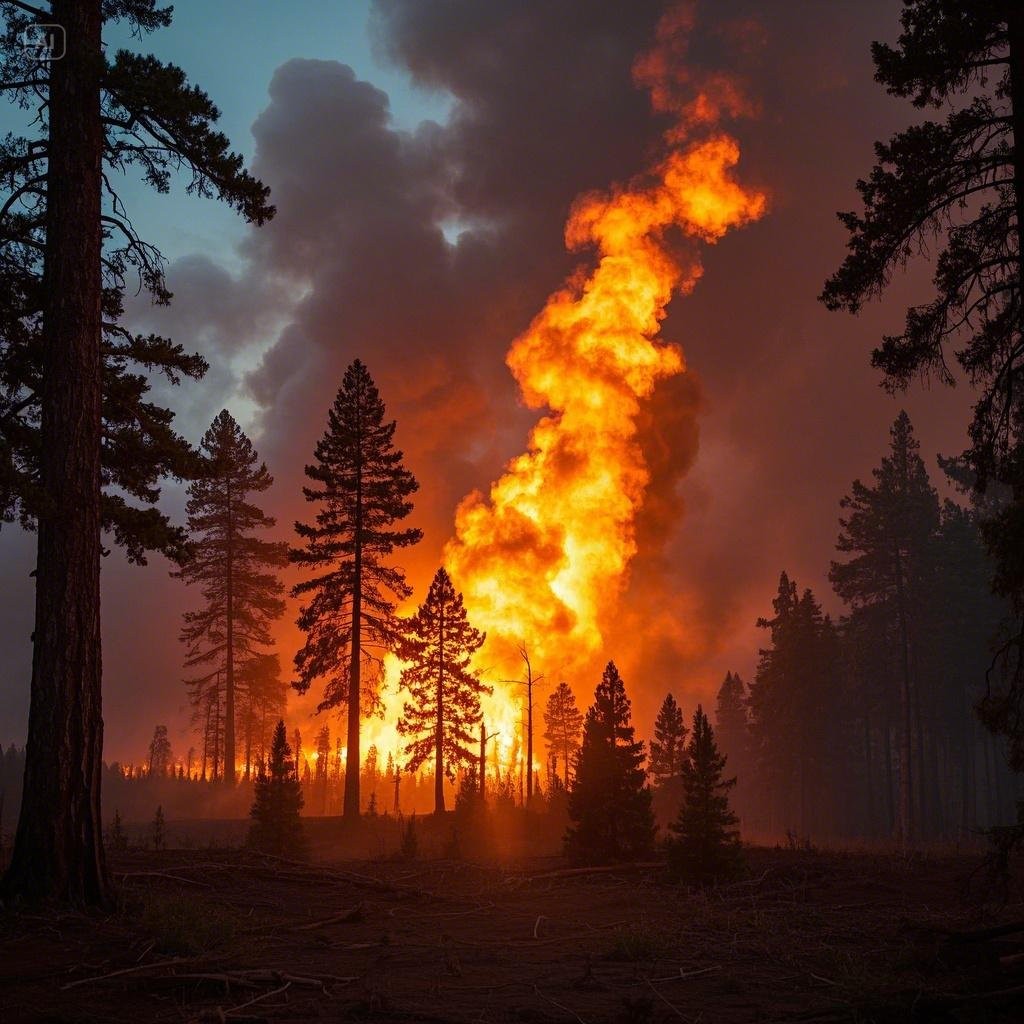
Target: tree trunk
58,850
229,667
351,807
906,820
439,728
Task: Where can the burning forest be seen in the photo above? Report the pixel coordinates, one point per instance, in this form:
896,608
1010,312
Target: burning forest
438,489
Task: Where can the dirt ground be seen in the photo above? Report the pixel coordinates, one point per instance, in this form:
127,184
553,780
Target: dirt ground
220,935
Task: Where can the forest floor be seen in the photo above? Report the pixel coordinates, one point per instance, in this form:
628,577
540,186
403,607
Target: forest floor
234,937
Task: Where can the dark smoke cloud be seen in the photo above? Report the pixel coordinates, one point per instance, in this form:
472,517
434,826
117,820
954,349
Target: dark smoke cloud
358,262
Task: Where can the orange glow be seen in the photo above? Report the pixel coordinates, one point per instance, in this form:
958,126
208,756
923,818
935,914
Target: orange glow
544,555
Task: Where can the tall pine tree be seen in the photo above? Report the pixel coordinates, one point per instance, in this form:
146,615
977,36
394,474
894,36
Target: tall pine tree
563,723
442,718
889,531
362,490
959,180
236,571
75,420
609,803
668,748
705,844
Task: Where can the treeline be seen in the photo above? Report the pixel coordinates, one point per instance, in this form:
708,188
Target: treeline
868,726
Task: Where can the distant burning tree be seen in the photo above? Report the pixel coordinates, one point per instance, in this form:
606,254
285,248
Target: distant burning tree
609,803
443,716
160,759
563,724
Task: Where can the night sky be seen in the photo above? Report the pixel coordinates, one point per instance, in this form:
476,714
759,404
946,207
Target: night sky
423,158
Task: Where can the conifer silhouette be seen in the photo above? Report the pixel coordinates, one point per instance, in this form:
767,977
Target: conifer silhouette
563,723
236,570
609,803
668,748
442,718
361,489
276,825
705,844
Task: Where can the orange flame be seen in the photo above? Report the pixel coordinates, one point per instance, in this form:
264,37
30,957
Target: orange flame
544,556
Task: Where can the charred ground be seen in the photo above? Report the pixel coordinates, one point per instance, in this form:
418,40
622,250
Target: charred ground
222,935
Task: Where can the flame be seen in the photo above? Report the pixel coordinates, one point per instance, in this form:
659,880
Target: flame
544,555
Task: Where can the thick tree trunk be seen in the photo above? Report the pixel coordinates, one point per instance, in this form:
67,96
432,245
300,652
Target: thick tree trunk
58,851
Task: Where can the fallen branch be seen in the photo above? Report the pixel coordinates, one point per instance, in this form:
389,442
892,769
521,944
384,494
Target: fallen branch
603,869
554,1002
126,970
348,916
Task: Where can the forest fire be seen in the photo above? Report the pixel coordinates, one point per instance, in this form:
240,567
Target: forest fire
543,557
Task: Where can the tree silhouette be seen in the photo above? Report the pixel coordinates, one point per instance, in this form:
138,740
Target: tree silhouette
609,803
962,181
78,422
705,844
234,567
732,725
442,718
889,530
668,748
276,823
159,751
362,490
563,723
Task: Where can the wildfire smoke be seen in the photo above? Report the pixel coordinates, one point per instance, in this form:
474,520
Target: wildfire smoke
544,555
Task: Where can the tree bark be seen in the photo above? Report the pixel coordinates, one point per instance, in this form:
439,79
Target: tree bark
229,661
58,851
439,727
352,765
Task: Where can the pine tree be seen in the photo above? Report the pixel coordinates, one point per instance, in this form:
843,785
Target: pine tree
116,838
157,830
668,748
705,846
442,719
234,567
889,530
276,823
609,803
80,440
362,490
262,699
159,751
732,724
960,182
563,723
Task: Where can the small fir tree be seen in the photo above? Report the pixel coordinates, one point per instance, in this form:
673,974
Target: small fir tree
158,832
276,823
609,803
442,718
706,845
563,723
116,838
668,748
